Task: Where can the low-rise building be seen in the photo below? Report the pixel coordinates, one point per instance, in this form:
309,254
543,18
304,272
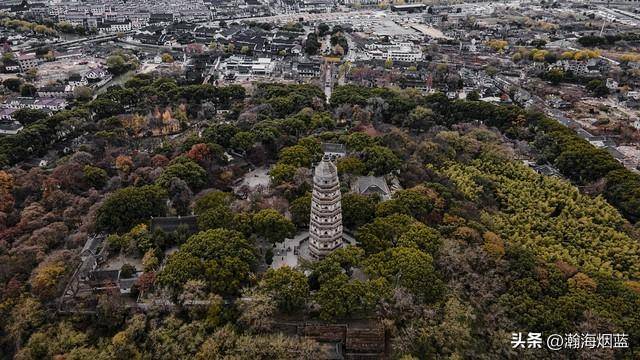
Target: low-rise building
6,114
11,66
315,5
307,67
56,91
10,127
372,185
591,67
170,224
408,8
77,80
402,52
115,26
46,104
244,65
28,62
334,151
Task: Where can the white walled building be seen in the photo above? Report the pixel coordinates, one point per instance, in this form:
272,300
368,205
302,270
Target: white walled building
244,65
402,52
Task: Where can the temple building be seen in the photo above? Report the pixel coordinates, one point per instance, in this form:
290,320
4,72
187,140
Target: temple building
325,225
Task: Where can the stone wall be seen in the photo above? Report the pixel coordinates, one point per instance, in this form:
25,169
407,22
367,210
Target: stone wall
359,340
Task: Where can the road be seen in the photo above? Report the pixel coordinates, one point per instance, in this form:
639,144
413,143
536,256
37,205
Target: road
328,80
142,45
620,15
310,17
85,40
212,71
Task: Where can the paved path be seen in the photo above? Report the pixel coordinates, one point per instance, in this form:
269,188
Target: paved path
284,254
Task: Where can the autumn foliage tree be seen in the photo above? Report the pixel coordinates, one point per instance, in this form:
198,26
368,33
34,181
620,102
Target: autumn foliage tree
124,163
6,188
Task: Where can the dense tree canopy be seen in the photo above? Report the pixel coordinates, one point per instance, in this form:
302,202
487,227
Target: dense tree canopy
548,215
300,209
380,160
221,257
273,226
357,209
289,287
409,268
471,246
130,206
383,232
185,169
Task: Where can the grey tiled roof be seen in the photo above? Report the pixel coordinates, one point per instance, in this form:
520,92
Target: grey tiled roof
92,244
334,148
104,275
368,183
169,224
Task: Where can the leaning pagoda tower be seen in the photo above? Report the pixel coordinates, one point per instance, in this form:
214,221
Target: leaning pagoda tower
325,225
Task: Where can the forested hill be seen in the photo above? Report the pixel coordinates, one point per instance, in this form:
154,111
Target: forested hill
474,246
